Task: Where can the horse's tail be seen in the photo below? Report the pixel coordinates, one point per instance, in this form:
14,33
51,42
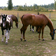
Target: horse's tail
22,17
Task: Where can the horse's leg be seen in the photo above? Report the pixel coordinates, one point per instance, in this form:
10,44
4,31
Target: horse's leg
30,27
39,28
21,33
6,37
2,35
23,29
9,32
39,36
42,33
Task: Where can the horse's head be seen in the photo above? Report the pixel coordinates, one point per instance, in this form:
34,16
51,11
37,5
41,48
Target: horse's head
4,20
52,34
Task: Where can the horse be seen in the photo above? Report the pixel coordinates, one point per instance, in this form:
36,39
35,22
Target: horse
15,19
6,25
39,21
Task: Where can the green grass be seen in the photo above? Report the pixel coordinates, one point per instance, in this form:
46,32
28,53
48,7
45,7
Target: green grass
32,47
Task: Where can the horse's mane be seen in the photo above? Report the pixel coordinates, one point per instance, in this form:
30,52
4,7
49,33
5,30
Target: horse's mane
47,18
16,18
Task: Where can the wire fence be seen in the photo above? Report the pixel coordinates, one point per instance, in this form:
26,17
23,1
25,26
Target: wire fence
49,15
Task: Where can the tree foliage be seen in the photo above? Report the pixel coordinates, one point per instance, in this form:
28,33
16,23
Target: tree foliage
10,5
36,7
55,4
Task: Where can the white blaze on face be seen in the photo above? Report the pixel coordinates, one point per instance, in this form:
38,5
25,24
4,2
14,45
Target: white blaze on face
3,24
6,36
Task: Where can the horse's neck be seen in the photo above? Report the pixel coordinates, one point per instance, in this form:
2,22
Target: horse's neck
50,25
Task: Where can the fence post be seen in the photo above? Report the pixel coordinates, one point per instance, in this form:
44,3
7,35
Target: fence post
18,15
50,15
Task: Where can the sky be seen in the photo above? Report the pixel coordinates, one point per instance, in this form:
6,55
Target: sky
27,2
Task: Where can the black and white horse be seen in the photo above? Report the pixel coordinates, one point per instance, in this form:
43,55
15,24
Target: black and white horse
6,25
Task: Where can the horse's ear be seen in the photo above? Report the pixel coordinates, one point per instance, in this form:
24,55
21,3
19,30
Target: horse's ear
6,15
2,15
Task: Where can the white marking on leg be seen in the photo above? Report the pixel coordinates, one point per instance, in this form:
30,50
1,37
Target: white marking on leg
32,30
6,36
2,38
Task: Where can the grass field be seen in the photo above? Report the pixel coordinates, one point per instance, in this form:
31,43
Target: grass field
33,46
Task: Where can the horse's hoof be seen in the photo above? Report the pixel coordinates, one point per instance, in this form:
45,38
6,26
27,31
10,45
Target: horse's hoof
6,43
39,39
43,40
5,37
8,39
2,41
24,40
21,39
33,31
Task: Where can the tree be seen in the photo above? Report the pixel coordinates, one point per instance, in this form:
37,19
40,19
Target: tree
35,6
55,4
10,5
20,8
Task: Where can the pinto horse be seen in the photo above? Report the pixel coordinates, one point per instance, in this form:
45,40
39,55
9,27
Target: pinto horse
39,21
6,25
15,19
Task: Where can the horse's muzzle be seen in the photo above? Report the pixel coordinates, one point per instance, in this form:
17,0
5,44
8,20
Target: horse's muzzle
52,38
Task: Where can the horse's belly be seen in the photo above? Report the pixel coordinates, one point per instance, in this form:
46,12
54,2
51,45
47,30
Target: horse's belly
38,23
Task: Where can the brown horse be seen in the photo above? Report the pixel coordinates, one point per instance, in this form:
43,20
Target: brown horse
39,21
14,18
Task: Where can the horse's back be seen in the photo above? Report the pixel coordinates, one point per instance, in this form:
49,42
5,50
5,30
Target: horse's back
14,18
39,20
26,19
34,19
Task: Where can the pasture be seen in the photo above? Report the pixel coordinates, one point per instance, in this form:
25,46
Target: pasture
33,46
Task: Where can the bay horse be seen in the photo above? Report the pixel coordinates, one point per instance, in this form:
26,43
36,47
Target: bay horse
6,25
15,19
39,21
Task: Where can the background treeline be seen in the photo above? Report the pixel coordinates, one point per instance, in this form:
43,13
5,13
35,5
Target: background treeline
35,7
49,6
